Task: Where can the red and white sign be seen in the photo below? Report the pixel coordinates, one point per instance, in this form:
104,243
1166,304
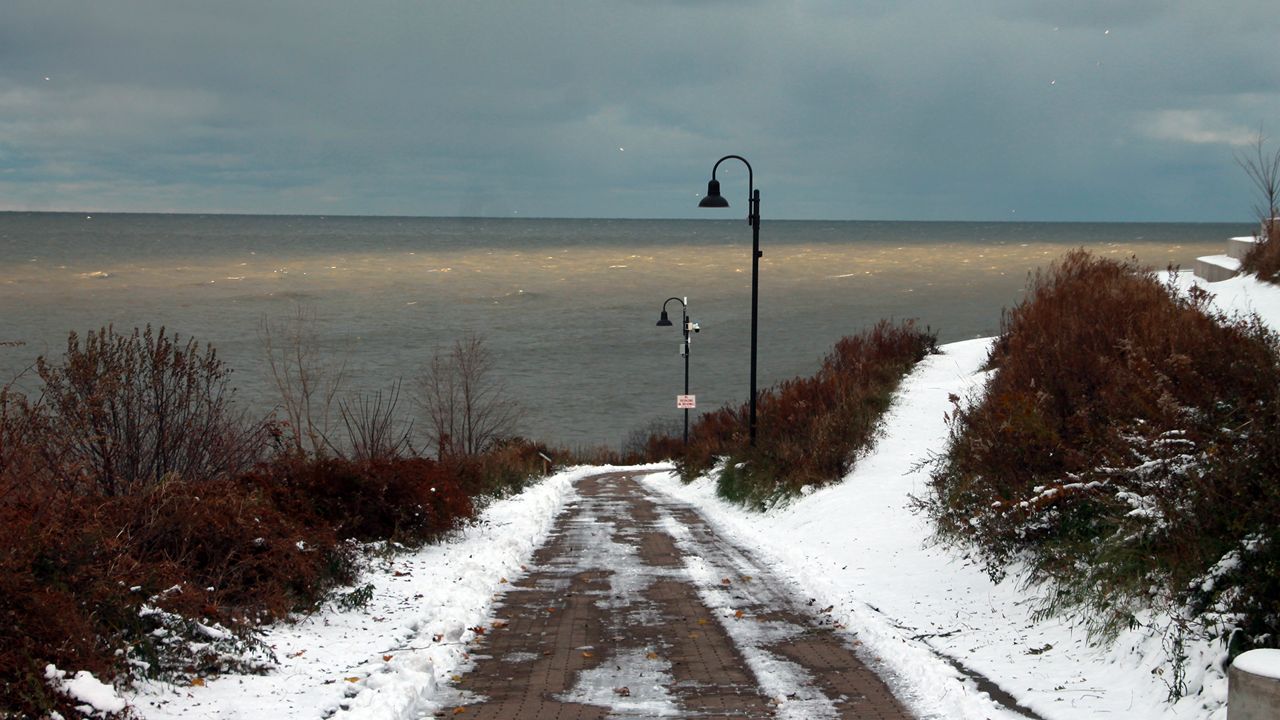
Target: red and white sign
686,402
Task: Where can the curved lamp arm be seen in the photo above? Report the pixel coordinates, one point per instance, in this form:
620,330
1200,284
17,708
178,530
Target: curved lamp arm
664,321
753,214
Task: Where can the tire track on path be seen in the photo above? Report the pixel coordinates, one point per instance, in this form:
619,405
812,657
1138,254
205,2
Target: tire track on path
635,608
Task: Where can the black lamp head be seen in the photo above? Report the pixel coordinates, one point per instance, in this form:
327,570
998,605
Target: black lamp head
664,321
713,199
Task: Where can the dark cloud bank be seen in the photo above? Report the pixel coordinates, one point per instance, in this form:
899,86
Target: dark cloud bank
985,110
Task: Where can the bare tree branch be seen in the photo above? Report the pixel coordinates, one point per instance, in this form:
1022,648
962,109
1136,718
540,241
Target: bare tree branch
1263,168
373,430
308,383
467,404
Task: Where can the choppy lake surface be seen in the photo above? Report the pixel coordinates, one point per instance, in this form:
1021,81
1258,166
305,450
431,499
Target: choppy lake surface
567,306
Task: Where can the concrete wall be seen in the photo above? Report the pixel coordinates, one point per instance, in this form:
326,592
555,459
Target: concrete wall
1216,268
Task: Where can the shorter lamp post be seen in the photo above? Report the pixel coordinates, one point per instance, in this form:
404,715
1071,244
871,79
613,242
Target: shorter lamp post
686,326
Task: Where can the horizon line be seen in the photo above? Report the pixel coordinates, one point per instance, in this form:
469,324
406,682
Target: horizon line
187,213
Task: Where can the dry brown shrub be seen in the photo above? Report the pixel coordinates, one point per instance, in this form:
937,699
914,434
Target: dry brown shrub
79,570
1263,259
1125,448
406,500
810,430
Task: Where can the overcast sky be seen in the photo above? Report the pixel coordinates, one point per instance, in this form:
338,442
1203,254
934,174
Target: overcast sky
847,109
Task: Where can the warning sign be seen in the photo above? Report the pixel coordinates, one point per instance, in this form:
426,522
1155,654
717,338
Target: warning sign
686,402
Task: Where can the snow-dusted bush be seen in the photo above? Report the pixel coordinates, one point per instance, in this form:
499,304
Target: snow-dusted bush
136,538
1125,455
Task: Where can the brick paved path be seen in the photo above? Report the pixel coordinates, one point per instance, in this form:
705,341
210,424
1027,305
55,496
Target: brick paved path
635,608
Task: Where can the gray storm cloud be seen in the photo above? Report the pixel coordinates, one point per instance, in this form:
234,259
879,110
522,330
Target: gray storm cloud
912,110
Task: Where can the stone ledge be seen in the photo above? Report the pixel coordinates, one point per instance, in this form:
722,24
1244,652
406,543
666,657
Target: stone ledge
1238,247
1216,268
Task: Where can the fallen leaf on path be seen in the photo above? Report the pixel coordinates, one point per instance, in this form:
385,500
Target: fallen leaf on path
503,581
587,654
695,635
456,678
197,682
746,578
739,614
702,621
459,710
726,581
296,654
651,656
387,658
352,679
479,629
622,691
499,624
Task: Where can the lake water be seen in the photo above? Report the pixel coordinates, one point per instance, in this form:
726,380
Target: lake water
567,306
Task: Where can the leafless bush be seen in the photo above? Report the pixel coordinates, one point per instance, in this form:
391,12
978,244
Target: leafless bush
374,431
658,439
1263,168
123,411
467,404
307,382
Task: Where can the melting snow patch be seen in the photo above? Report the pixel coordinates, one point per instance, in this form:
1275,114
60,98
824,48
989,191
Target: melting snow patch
632,683
789,685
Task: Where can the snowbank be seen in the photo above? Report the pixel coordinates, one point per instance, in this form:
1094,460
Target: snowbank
1242,294
931,614
383,661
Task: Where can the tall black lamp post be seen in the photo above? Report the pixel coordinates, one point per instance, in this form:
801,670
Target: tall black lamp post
715,200
687,326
